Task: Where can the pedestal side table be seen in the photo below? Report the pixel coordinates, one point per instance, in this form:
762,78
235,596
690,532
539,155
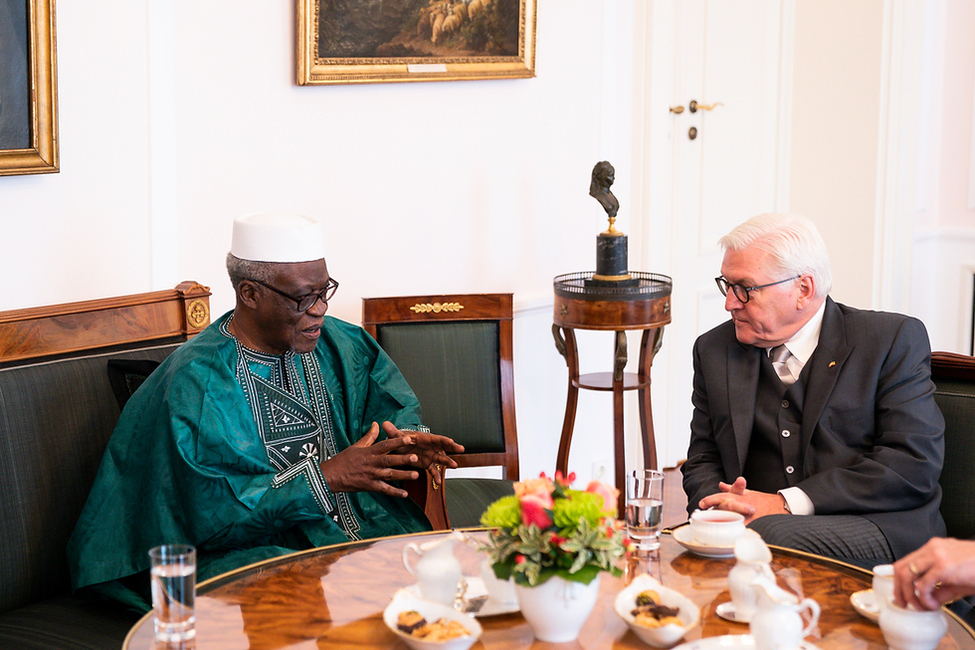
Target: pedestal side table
583,304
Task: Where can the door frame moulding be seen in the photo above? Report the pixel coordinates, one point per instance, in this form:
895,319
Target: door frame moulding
898,123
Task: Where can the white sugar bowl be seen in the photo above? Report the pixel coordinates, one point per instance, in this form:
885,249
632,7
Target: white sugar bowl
911,629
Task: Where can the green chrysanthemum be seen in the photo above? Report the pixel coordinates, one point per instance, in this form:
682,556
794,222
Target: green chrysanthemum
503,513
580,505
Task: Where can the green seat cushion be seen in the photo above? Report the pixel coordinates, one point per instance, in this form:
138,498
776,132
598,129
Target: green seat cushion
468,498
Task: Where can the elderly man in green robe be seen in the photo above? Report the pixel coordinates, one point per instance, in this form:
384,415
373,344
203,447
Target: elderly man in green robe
276,429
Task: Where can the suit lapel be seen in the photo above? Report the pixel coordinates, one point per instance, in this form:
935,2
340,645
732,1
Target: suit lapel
743,369
826,364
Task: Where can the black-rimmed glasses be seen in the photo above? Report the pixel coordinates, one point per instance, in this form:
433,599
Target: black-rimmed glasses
304,303
742,292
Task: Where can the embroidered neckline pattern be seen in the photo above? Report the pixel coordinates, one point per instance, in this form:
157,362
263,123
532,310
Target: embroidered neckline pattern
291,407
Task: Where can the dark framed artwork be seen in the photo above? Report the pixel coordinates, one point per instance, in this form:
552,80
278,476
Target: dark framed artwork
28,88
379,41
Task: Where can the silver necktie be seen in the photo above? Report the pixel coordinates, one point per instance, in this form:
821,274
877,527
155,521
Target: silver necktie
779,355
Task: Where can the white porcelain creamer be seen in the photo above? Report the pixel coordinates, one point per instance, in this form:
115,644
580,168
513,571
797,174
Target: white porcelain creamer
754,558
777,624
437,570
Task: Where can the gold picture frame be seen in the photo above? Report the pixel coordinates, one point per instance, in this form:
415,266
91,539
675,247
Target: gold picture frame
476,41
41,156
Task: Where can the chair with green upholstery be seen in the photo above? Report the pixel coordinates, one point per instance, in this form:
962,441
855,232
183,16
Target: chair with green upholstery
954,378
456,353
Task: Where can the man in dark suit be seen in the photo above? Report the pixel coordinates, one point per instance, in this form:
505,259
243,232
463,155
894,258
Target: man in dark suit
803,406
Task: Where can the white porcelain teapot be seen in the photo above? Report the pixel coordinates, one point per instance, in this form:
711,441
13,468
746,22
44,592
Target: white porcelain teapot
777,624
754,558
438,570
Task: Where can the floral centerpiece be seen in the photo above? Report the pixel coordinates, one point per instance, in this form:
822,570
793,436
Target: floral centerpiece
549,529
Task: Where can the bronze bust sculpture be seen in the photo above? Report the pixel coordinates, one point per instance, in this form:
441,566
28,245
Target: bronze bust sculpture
603,176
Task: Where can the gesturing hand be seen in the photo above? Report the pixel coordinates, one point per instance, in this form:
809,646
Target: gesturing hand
370,466
939,572
432,450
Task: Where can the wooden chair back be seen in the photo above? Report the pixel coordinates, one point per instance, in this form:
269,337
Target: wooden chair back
456,352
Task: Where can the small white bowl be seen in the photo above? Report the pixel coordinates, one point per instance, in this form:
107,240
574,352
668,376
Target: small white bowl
667,635
404,601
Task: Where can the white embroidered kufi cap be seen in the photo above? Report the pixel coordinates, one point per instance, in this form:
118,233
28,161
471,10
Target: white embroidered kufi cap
278,237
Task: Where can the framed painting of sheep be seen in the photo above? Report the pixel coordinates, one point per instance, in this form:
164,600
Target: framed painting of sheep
380,41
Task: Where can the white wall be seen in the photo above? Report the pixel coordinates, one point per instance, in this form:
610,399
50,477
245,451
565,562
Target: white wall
178,115
835,109
944,256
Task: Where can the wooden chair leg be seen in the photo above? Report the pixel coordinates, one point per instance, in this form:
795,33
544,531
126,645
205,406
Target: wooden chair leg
430,497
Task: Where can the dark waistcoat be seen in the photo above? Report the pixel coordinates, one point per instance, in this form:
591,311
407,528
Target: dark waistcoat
774,460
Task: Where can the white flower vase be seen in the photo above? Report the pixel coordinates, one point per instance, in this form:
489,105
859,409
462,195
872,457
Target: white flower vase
557,609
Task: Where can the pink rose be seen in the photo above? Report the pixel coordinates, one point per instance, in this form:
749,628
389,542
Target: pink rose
536,508
541,485
608,493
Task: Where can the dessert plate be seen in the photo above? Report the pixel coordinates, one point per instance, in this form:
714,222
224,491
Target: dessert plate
730,642
683,536
865,604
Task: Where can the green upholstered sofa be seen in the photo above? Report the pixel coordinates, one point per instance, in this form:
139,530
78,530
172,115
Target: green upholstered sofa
57,411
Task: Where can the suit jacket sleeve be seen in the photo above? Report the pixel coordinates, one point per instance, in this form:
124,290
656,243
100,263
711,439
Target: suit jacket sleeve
879,445
706,465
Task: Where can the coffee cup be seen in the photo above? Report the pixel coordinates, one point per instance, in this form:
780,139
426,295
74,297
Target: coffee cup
719,528
883,584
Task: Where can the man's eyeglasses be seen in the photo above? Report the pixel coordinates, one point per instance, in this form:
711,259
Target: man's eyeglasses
304,303
742,292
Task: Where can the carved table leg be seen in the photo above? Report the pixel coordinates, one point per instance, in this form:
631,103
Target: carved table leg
568,350
619,446
649,345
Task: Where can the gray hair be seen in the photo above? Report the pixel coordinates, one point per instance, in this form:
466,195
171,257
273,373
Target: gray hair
240,270
793,243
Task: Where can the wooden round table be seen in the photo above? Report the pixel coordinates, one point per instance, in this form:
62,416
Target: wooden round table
642,305
334,597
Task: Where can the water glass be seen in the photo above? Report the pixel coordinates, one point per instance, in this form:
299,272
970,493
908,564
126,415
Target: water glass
172,572
644,508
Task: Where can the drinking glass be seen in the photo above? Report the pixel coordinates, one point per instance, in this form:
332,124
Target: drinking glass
644,508
172,571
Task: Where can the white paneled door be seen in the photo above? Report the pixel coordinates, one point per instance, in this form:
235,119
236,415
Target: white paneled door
716,154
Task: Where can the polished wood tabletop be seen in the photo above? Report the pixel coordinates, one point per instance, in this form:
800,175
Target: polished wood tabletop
333,597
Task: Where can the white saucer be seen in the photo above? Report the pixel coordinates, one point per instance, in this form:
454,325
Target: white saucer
727,612
683,536
475,589
865,604
730,642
